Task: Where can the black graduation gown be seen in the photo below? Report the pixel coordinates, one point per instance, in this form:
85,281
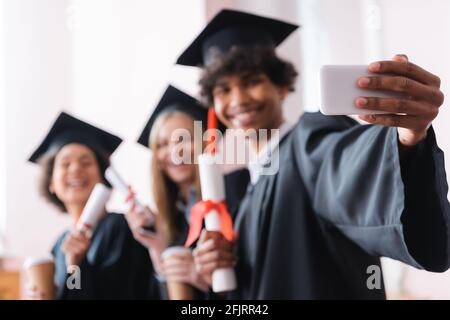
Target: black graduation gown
340,200
116,265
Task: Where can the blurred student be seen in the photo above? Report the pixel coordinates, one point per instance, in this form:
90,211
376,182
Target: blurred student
112,264
175,185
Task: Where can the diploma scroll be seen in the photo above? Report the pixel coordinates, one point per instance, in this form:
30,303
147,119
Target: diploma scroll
118,183
94,209
213,189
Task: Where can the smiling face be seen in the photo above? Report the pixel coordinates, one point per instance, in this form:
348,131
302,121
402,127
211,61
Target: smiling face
167,149
75,173
250,101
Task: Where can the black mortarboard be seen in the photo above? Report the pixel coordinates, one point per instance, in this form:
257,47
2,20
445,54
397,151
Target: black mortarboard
68,129
174,100
234,28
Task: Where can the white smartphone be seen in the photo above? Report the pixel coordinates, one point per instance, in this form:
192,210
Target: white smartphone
339,90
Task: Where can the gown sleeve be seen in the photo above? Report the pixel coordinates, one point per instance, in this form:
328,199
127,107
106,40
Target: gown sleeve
125,265
357,182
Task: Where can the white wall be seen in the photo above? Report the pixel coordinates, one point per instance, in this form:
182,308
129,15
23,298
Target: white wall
421,29
105,61
332,33
123,57
38,82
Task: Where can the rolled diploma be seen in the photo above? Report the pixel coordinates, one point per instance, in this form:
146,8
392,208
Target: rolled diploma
94,208
213,188
118,183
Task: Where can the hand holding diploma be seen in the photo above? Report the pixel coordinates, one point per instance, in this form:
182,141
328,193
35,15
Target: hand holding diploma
213,209
140,219
119,184
153,240
213,252
77,242
75,247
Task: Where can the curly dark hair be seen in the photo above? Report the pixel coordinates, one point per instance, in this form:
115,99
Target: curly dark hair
244,61
48,163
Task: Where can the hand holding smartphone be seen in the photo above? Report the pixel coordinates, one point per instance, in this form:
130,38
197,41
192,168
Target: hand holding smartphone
339,90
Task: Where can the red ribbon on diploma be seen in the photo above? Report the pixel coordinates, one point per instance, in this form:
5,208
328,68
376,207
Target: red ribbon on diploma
198,213
201,208
87,225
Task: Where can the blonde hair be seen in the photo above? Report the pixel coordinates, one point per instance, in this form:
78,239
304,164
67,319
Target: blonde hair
165,191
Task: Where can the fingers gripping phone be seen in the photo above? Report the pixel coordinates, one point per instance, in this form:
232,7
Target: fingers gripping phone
339,90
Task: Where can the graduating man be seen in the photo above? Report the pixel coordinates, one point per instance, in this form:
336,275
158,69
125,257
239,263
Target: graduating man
344,194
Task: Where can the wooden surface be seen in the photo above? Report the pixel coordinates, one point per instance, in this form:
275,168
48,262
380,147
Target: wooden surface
10,277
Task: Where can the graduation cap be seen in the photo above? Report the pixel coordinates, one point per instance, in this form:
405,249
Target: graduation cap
234,28
175,100
68,129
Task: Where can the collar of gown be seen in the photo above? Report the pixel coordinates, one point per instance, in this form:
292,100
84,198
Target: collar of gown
260,159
